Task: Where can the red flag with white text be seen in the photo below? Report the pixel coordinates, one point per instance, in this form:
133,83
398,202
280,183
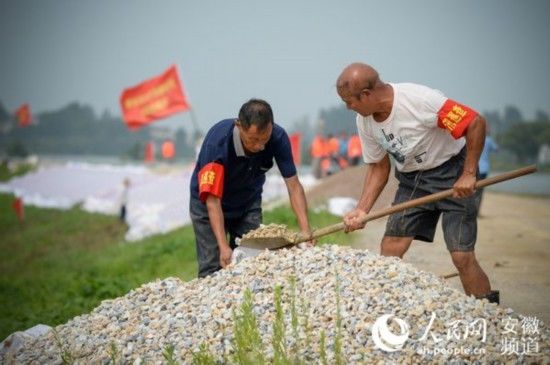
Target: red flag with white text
153,99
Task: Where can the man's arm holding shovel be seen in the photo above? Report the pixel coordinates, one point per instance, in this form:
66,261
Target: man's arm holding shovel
375,181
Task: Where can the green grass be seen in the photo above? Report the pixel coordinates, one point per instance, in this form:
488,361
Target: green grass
63,263
60,264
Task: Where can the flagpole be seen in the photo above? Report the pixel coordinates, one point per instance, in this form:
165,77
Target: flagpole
193,118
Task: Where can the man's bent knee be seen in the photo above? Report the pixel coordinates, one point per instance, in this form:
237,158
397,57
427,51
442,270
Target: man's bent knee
463,260
395,246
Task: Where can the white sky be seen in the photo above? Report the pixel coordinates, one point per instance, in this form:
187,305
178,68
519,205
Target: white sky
487,54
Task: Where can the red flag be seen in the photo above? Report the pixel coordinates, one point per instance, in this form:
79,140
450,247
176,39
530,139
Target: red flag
19,209
168,150
153,99
295,140
23,115
149,152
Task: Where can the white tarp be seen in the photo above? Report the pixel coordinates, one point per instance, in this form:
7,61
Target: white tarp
157,202
341,205
63,186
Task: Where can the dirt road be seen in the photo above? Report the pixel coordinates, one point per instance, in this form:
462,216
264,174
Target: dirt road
513,248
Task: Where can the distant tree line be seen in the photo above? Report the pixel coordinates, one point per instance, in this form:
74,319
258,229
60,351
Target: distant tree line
77,130
519,137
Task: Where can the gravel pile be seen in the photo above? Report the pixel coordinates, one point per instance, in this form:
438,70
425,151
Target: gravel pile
425,322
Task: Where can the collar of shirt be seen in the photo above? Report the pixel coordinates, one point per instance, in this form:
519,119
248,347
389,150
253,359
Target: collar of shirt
239,149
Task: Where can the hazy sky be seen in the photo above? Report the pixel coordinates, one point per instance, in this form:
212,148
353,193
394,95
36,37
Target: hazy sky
487,54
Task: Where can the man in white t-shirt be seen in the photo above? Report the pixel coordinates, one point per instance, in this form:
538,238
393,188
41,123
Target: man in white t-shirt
435,143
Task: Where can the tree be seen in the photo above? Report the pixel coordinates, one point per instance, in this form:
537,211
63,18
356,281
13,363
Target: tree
338,119
4,114
541,116
525,139
495,121
17,149
512,115
76,129
136,151
183,149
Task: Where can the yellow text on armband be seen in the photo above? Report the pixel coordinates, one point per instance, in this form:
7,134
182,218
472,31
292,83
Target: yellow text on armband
453,117
208,178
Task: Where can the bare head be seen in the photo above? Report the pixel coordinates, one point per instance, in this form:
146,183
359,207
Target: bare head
356,77
255,125
357,85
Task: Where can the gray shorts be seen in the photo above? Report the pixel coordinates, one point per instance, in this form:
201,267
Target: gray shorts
208,253
459,215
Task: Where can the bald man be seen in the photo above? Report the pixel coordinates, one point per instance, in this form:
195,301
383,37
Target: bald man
435,143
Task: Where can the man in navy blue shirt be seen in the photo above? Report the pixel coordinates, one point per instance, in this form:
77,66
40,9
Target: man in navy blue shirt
227,183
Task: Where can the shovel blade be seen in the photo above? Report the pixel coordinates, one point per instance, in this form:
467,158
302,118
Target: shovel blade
262,243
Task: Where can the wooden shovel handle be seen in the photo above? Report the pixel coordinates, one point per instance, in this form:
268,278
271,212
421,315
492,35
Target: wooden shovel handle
420,201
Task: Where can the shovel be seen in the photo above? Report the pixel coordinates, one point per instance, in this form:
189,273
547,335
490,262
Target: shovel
271,243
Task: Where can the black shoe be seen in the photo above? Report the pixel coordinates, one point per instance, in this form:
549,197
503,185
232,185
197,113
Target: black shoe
493,296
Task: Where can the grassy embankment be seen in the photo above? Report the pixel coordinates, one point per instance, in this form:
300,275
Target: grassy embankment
63,263
20,169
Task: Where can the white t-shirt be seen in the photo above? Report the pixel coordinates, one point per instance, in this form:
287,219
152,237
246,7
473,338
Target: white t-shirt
411,133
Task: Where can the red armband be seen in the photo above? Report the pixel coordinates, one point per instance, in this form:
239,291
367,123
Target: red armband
455,117
211,180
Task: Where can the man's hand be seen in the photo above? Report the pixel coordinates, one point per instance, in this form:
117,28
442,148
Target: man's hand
353,220
225,255
310,243
465,185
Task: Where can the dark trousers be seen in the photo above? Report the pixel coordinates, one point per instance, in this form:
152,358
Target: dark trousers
122,214
208,253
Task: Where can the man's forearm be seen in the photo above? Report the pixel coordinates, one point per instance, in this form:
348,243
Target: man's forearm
298,202
375,181
299,206
215,215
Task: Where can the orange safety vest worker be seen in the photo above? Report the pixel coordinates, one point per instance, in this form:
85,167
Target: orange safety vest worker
354,146
317,147
168,150
333,146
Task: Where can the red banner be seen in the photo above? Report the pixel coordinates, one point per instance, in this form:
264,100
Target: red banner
153,99
149,152
295,140
23,115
